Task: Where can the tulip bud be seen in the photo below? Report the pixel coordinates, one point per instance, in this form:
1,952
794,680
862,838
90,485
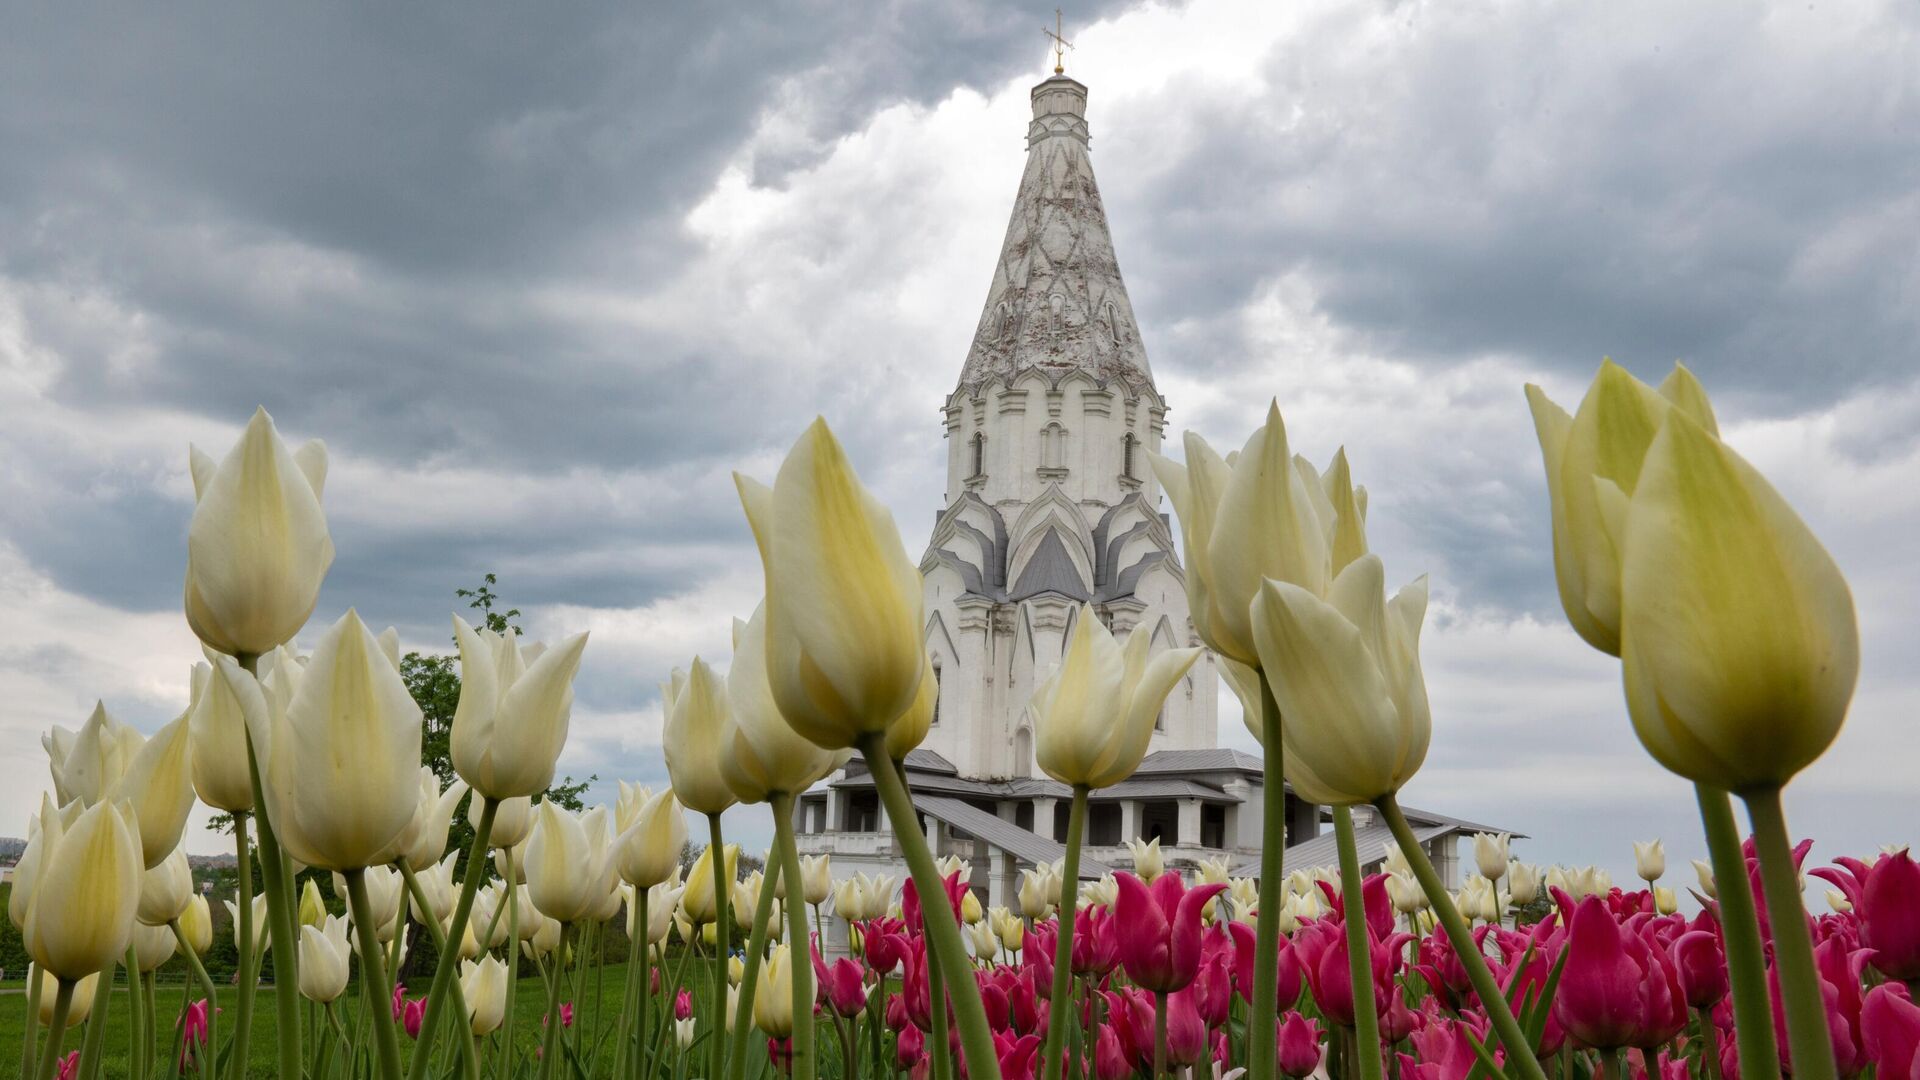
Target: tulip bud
86,891
1740,647
1490,854
1664,900
512,822
152,946
159,786
217,732
1523,881
1594,461
844,646
515,704
648,852
683,1032
816,878
768,755
1346,672
1704,872
257,548
312,909
323,958
1649,860
773,995
985,942
77,1010
165,890
1094,715
568,867
1837,901
196,922
1034,903
699,733
484,986
88,764
970,910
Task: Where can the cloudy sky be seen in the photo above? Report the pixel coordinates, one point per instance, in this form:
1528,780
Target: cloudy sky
541,279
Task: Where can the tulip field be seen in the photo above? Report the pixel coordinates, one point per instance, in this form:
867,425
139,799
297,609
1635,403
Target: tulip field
1738,648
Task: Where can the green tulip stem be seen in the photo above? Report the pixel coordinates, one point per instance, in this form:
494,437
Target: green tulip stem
1159,1034
280,911
555,976
943,933
639,986
1366,1019
180,1026
469,1059
937,1002
206,984
1709,1046
399,941
1050,1061
1273,844
29,1037
1808,1037
374,984
249,975
137,1025
62,1005
799,942
1740,930
448,963
96,1038
508,1051
722,907
1519,1049
750,971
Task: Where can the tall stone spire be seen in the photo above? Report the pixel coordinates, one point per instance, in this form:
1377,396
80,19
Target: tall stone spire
1057,303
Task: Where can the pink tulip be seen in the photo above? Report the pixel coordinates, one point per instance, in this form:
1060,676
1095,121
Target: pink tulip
1158,928
780,1052
1212,989
1890,1030
1616,990
683,1005
566,1014
413,1014
1886,899
842,985
1018,1057
1701,965
1095,945
69,1066
193,1024
1110,1059
1299,1046
1186,1031
1443,1051
399,1000
909,1047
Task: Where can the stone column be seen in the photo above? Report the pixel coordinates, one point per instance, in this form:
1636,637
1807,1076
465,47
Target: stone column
1129,820
1000,887
1043,811
1189,835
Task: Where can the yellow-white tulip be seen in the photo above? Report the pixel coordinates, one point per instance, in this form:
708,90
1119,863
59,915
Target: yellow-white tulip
1215,871
985,942
627,805
488,901
165,890
1838,902
568,869
342,778
845,653
1099,893
512,822
424,841
1035,902
1665,901
88,763
483,984
1245,894
949,865
768,756
698,901
1013,932
746,896
1346,673
736,970
1523,883
773,994
816,879
970,910
196,922
323,960
1147,863
648,850
1738,639
43,832
437,889
515,704
1263,515
257,547
1704,872
86,891
1405,893
910,728
262,928
217,731
539,935
384,886
311,911
698,736
1593,462
81,1005
1649,860
663,901
683,1031
1490,854
1094,715
152,946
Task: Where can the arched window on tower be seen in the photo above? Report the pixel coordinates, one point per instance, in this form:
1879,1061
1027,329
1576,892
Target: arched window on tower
979,453
1127,444
1053,446
935,722
1111,317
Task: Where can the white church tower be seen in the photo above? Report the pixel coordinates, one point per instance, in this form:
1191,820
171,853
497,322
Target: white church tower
1050,500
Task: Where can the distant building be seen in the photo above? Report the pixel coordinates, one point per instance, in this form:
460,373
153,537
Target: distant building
1051,505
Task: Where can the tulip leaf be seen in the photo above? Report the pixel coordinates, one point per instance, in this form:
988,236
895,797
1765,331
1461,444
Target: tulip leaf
1488,1065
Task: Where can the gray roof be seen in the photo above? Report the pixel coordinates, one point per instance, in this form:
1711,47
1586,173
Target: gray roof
998,832
1369,842
1208,760
1051,569
1138,787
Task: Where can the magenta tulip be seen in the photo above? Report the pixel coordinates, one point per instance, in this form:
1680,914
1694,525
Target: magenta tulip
1701,964
1616,990
841,985
1110,1059
1158,929
1890,1030
1886,897
1299,1046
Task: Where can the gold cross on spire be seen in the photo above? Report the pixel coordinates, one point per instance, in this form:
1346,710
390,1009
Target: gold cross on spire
1060,44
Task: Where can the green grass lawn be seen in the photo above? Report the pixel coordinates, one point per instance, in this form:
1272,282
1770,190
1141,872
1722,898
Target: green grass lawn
596,1010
